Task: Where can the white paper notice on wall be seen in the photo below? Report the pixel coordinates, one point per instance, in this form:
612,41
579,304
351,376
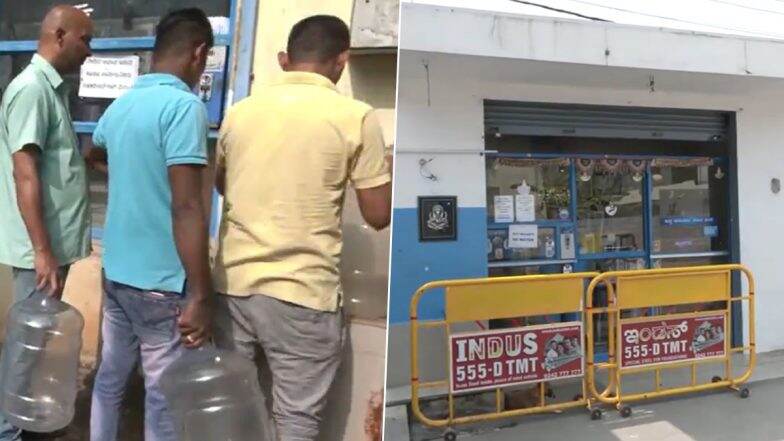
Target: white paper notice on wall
504,209
220,25
108,77
216,59
525,208
567,246
523,236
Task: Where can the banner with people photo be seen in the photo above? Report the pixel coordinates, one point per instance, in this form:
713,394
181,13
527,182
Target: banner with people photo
656,340
514,356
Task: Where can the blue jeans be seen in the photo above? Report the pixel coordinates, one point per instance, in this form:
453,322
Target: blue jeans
136,324
24,287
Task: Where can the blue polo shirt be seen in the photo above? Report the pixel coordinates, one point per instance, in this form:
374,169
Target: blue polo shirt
157,124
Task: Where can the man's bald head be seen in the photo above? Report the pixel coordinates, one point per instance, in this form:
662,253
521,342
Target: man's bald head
65,38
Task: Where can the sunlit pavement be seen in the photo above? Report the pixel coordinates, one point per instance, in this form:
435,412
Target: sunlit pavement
720,416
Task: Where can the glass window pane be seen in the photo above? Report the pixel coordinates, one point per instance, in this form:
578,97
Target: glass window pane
604,265
527,270
601,327
548,182
11,66
91,109
690,261
82,109
498,248
689,206
20,20
609,207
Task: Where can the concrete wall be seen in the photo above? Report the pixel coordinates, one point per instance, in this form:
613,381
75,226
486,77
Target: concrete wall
357,397
441,118
370,78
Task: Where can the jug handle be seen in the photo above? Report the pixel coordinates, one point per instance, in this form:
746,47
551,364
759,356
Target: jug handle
44,300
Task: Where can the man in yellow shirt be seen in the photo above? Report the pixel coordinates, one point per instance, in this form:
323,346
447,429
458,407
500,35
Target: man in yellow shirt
286,156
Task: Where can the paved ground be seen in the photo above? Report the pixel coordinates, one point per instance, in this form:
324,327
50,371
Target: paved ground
720,416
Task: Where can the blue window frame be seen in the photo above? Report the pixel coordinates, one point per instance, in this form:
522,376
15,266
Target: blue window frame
714,249
571,222
239,43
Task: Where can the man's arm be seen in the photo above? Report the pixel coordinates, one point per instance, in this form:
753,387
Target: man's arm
97,159
371,175
28,196
95,155
185,146
375,204
220,179
27,121
190,235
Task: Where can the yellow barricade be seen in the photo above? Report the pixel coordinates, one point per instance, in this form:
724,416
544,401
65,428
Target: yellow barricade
497,359
665,337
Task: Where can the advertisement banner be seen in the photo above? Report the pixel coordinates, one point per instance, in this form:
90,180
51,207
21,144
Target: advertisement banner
657,341
513,356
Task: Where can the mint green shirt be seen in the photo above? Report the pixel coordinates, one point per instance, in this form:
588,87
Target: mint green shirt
34,110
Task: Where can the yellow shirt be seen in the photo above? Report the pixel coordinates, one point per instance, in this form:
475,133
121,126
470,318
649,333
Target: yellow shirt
289,152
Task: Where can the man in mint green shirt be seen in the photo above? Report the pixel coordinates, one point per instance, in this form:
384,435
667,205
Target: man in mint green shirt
42,173
44,226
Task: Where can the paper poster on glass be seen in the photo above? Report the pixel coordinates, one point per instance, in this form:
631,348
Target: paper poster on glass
523,236
108,77
567,245
504,208
525,207
497,245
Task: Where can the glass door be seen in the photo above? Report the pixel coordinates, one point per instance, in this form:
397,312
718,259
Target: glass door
611,222
604,213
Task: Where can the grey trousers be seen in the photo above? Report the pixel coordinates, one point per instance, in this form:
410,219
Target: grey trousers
302,348
25,284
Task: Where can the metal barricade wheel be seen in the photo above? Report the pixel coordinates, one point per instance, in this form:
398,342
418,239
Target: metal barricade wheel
450,435
626,411
744,393
596,414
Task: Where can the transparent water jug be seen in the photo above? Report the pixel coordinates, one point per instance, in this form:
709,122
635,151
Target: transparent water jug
213,395
39,364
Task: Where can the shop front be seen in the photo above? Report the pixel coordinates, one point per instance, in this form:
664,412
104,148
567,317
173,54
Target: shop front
575,188
568,146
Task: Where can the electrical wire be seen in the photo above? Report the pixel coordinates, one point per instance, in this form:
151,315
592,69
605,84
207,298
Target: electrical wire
661,17
753,8
562,11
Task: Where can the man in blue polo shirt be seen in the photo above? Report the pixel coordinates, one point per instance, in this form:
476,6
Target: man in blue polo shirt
155,237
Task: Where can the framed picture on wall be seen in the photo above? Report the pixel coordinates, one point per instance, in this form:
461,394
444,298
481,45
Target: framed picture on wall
437,218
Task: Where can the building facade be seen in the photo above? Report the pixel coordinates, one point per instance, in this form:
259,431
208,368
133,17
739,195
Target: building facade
641,148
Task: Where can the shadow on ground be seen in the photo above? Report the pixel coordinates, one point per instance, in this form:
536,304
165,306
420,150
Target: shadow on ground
131,424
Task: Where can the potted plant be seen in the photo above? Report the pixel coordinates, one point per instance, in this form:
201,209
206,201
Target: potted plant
552,200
